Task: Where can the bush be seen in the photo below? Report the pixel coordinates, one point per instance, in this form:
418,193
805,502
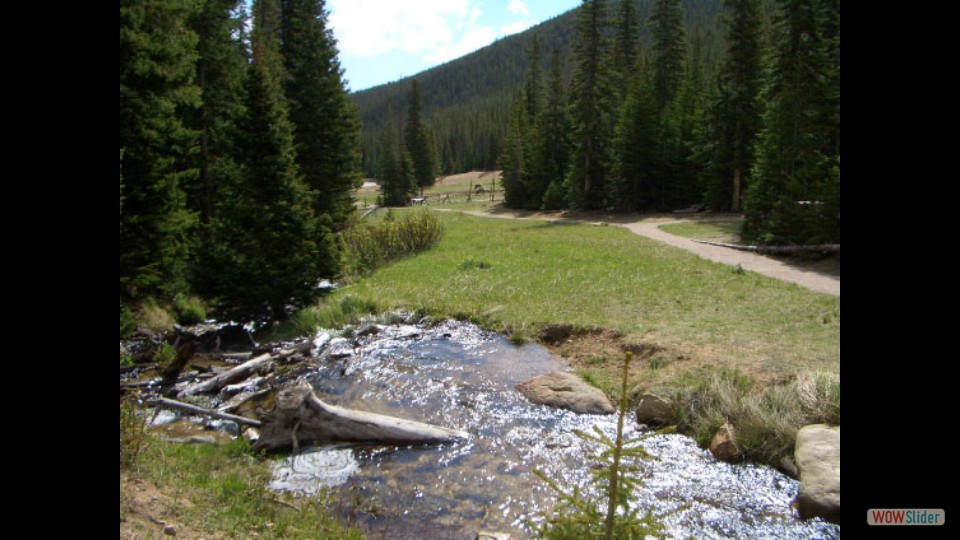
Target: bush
367,247
128,324
133,432
189,310
330,315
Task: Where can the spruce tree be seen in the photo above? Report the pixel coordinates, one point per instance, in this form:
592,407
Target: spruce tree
270,249
626,46
417,143
513,161
592,109
735,111
636,150
327,126
669,49
533,84
552,145
794,196
395,170
221,68
157,86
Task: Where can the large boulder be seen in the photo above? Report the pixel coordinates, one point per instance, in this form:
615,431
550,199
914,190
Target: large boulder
818,462
566,391
654,410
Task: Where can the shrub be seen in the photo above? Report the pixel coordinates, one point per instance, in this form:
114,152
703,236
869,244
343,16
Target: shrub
189,310
367,247
133,431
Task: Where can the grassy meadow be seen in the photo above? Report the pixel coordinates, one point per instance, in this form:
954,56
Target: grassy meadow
518,275
724,343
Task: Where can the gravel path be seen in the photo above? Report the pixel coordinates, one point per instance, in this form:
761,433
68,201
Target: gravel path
650,228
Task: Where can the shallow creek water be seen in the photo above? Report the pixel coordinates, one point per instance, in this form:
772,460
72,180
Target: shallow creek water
460,376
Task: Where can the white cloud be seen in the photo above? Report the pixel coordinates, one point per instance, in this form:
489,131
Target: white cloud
514,28
433,30
368,28
472,40
517,7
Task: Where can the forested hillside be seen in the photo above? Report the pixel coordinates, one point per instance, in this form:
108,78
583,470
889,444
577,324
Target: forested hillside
726,105
465,101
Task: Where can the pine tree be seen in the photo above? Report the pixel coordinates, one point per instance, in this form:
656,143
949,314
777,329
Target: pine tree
513,161
626,48
552,148
669,49
157,59
417,143
591,109
533,85
221,67
395,171
270,249
794,196
636,150
735,112
327,126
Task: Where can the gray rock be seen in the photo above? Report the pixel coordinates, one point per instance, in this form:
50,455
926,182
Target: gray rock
818,461
654,410
170,530
566,391
724,445
788,467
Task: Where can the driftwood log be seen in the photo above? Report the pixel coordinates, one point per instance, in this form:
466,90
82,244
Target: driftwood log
173,404
236,374
299,416
820,248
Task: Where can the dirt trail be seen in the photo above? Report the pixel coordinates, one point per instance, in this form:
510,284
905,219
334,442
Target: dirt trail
650,228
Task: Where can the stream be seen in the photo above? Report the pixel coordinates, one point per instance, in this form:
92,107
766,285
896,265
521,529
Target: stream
457,375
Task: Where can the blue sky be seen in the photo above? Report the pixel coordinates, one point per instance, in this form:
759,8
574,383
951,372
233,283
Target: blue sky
384,40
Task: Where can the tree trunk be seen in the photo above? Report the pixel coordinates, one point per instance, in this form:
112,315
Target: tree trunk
173,404
236,374
299,416
736,190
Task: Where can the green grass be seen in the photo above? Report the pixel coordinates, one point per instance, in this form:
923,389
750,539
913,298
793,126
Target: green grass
727,232
766,417
537,272
227,491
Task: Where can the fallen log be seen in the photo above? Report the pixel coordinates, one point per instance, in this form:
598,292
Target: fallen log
299,416
821,248
236,374
173,404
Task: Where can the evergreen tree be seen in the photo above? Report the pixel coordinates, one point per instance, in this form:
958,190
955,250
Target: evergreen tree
395,172
270,249
327,126
626,47
591,109
669,49
417,143
513,161
157,60
533,85
221,67
636,150
794,195
551,145
735,111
